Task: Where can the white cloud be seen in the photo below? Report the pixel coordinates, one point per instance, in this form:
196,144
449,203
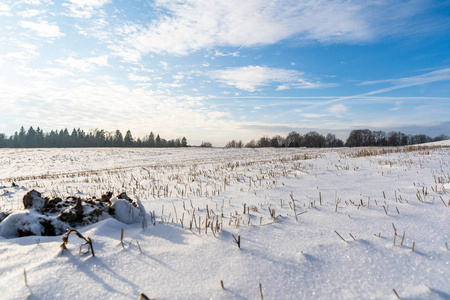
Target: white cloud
434,76
234,54
283,87
85,65
337,109
313,116
191,25
249,78
43,29
30,13
134,77
34,2
165,65
84,8
5,10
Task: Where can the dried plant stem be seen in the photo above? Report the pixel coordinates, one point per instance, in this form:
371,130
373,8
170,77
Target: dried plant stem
260,291
25,276
88,240
121,238
237,240
143,297
403,238
137,242
396,294
221,284
340,236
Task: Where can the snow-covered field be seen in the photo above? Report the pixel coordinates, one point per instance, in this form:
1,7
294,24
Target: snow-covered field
312,224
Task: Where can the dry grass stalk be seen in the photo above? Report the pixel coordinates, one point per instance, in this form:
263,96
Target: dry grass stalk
221,284
121,238
88,241
25,276
237,240
403,238
352,237
396,294
340,236
137,242
414,243
143,297
260,291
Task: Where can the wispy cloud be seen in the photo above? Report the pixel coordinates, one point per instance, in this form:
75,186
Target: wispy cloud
84,8
5,10
337,109
191,25
434,76
43,29
28,13
219,53
86,64
134,77
250,78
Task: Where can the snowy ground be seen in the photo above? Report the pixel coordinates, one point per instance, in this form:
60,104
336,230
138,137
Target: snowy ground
290,208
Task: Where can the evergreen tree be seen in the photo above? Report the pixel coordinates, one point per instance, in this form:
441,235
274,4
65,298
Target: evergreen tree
22,137
118,139
151,140
40,140
31,138
128,140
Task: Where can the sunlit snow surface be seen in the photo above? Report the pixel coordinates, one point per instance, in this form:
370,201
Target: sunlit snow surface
291,259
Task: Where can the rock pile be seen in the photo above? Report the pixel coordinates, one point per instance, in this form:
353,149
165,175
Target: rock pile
45,216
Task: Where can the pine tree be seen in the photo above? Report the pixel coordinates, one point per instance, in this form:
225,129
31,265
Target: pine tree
118,139
151,140
128,140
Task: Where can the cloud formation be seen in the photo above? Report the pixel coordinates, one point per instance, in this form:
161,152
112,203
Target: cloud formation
84,8
250,78
434,76
43,29
191,25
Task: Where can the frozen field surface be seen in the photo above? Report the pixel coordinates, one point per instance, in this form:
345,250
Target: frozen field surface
360,223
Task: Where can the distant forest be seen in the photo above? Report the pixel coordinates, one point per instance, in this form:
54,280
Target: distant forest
36,138
357,138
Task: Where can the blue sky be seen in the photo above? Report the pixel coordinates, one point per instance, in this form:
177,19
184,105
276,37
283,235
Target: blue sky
220,70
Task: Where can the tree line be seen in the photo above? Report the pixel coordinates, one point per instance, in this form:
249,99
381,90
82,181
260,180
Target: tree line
37,138
356,138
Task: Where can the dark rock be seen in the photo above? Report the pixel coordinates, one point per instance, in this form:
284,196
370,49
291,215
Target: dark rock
24,232
124,196
73,215
106,197
55,200
34,200
48,228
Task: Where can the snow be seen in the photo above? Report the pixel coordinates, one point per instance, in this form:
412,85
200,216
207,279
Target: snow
364,199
